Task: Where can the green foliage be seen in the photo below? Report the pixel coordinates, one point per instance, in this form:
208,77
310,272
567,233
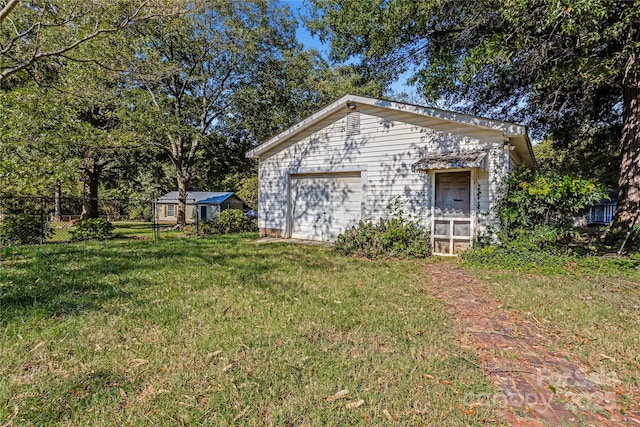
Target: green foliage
492,54
24,229
533,199
585,152
397,236
38,37
92,229
228,222
248,191
140,212
535,212
244,185
524,256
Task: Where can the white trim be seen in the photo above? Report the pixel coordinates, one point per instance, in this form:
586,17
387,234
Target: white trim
473,208
509,130
326,170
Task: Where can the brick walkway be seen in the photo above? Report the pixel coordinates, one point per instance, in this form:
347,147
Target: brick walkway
539,387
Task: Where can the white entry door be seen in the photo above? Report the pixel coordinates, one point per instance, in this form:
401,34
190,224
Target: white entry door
324,205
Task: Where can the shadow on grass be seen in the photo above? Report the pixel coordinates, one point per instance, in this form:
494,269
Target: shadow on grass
54,280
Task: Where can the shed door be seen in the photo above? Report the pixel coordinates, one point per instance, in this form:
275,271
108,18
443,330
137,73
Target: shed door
452,212
324,205
453,194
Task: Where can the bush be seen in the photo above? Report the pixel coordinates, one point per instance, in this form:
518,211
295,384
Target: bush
92,229
542,238
395,237
140,212
532,199
229,221
24,229
545,261
535,212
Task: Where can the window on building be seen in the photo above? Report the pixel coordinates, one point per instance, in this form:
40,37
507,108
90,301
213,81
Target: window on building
171,210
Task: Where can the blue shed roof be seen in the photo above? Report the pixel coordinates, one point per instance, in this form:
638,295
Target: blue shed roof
219,198
203,197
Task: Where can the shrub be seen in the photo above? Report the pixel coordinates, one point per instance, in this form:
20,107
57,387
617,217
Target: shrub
229,221
92,229
531,199
535,212
394,237
140,212
24,229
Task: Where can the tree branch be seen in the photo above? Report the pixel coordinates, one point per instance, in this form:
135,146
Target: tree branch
7,9
59,52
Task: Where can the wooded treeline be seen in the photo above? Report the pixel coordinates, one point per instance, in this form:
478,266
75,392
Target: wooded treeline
136,98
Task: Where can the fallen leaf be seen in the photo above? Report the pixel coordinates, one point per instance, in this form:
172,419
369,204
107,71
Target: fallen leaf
387,414
123,394
40,344
138,362
465,410
242,413
352,405
339,395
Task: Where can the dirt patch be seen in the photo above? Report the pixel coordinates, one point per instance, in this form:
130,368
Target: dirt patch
538,386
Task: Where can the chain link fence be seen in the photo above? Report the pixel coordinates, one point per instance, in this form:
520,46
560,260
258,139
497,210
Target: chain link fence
26,220
35,220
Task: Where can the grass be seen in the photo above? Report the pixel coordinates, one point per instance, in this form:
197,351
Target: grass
225,331
589,306
122,229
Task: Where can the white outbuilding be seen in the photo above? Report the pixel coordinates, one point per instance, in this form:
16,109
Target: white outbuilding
351,159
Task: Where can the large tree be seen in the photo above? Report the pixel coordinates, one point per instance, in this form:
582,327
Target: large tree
554,65
55,140
38,36
190,73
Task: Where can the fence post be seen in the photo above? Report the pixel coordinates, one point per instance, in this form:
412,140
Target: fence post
42,220
155,221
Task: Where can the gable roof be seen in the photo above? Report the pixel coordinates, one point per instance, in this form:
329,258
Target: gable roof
516,134
204,197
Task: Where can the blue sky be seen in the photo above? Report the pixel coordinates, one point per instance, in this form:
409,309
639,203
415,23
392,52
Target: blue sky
299,8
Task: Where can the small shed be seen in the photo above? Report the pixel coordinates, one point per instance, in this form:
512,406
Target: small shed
201,205
348,161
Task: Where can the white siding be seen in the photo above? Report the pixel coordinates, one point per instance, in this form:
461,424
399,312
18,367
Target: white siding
388,144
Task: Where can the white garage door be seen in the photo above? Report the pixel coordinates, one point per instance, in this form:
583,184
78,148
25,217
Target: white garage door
324,205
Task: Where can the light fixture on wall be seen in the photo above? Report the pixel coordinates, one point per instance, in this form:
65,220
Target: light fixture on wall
351,105
507,144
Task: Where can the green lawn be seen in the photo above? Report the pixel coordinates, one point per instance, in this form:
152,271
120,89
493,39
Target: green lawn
122,229
224,330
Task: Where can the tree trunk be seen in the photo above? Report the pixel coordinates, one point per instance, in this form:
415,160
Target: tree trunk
57,202
628,211
90,189
183,185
